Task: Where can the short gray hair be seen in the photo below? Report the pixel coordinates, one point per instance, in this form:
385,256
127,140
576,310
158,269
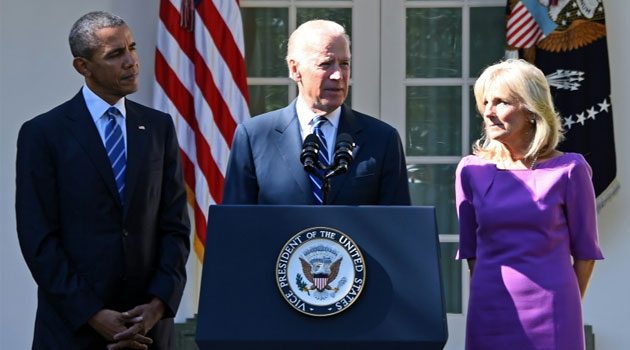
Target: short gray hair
82,37
309,33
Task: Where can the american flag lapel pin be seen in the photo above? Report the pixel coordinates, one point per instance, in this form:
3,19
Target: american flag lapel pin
141,127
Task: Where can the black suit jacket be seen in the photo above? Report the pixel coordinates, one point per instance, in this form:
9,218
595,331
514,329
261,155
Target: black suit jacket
86,249
265,167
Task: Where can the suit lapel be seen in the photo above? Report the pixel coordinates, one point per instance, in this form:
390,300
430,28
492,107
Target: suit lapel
289,144
137,136
84,130
349,124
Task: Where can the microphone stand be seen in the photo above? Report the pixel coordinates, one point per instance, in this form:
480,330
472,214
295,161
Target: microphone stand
325,189
324,179
340,169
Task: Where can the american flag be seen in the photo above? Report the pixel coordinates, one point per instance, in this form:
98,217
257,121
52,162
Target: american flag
527,24
200,80
522,30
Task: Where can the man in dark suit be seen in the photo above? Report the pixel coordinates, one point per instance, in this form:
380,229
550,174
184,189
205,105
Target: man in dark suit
265,166
101,205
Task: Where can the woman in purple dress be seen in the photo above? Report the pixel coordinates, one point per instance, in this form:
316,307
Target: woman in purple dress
527,217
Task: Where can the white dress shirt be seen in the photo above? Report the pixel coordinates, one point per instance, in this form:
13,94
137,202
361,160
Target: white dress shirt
97,107
306,116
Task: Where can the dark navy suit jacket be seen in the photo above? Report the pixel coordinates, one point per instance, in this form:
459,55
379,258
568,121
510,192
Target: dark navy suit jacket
265,167
86,249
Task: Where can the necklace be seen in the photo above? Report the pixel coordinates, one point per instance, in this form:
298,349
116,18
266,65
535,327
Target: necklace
531,166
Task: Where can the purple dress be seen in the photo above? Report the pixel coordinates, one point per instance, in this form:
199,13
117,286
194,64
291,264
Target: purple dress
523,226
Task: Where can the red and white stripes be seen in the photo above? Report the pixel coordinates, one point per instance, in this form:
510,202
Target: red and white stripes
200,80
522,30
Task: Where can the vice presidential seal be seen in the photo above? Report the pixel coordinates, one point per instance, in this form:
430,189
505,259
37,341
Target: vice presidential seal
320,271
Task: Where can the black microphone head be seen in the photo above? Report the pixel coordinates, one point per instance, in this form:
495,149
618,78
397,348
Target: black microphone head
310,153
343,151
312,138
346,138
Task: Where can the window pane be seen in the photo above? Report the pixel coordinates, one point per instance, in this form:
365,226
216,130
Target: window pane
342,16
266,35
434,120
487,37
265,98
451,277
476,121
434,42
434,184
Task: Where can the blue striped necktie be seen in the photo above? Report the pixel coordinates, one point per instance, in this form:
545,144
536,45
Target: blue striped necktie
323,157
115,146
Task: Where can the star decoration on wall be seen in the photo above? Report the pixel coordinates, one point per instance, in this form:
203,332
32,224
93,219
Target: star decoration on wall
590,113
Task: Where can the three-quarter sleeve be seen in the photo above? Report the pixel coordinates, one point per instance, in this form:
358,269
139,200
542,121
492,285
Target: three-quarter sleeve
581,212
465,213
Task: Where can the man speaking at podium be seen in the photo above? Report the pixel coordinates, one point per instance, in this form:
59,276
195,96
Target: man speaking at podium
265,165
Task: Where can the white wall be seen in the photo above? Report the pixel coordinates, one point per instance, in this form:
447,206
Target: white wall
36,75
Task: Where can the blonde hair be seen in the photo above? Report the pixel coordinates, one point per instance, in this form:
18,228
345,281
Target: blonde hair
309,33
527,85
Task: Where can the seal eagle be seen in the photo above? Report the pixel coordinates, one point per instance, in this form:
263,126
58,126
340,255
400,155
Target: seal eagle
320,274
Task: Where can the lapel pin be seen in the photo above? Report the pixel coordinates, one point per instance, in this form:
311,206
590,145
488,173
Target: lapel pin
141,127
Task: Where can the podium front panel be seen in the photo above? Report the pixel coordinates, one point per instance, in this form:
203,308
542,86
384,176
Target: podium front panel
401,303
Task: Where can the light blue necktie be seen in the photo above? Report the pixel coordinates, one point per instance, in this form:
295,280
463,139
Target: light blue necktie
323,157
115,146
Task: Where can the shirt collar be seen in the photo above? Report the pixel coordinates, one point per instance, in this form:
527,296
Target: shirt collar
97,106
305,115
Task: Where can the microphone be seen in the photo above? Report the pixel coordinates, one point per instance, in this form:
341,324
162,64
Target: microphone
343,153
310,153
